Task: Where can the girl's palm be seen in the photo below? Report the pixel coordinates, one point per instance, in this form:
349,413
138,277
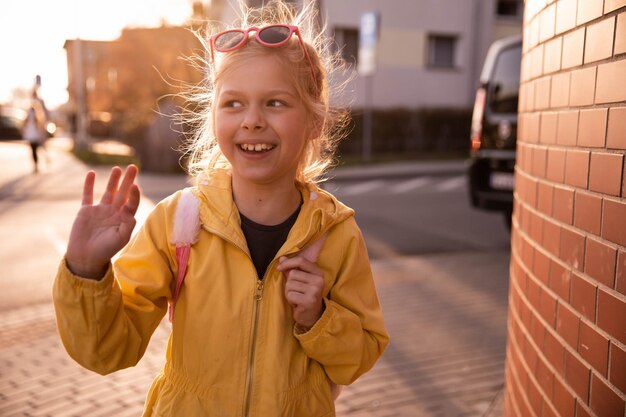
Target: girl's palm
101,230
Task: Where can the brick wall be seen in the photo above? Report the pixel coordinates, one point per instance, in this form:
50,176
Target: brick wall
566,354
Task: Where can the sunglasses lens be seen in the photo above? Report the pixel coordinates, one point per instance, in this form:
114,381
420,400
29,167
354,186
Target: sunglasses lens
274,34
228,40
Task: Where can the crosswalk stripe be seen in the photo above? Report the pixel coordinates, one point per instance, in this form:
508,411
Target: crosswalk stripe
410,185
451,184
363,187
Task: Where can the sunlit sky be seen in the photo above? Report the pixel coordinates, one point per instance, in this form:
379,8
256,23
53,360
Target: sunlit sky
32,34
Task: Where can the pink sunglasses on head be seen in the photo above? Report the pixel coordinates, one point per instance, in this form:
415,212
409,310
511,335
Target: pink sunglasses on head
272,36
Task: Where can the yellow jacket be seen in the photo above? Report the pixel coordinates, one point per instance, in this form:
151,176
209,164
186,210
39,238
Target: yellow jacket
234,349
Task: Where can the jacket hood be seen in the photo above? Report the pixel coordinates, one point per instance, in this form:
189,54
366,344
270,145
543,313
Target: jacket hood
218,213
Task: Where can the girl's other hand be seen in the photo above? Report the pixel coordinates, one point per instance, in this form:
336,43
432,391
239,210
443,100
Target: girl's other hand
101,230
303,289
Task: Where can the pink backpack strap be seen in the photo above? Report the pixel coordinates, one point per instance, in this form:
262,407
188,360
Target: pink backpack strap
185,233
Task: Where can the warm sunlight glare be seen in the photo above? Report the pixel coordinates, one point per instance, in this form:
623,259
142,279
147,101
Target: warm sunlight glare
33,33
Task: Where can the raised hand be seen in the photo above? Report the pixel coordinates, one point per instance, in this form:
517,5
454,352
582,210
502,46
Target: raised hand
100,231
303,289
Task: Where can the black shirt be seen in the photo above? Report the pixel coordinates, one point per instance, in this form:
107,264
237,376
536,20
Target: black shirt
265,241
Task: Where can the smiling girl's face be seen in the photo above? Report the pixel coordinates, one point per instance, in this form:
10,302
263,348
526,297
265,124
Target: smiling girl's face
260,122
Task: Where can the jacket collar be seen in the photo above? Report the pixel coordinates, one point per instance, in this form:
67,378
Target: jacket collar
218,213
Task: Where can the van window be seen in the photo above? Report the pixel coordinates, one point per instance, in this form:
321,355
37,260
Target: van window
504,83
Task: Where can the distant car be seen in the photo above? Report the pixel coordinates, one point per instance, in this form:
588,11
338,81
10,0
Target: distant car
11,124
494,129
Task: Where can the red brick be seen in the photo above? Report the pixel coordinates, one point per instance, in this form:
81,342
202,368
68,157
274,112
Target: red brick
536,227
537,331
581,410
620,34
610,5
556,165
533,293
599,42
612,315
567,128
552,56
605,401
594,348
576,168
588,10
545,378
600,260
567,324
605,173
616,133
560,90
560,280
565,15
583,296
588,212
543,91
547,410
548,23
617,371
539,156
563,400
614,221
541,267
584,82
534,396
547,130
555,353
572,248
620,275
592,127
573,46
547,308
551,237
545,193
610,85
577,376
536,56
563,205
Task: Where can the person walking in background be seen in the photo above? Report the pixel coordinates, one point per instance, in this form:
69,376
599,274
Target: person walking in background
34,131
279,306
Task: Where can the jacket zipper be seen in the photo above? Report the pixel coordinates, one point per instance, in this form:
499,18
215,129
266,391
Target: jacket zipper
258,295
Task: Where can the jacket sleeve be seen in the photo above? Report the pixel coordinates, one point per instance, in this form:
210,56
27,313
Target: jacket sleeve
350,336
106,325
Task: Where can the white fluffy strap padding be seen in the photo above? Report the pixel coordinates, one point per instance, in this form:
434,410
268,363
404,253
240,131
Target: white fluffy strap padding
186,219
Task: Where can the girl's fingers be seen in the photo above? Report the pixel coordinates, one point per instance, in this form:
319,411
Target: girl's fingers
111,190
133,199
122,194
298,262
90,179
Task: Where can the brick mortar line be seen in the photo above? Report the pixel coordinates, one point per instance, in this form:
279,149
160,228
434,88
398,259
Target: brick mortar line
612,291
565,345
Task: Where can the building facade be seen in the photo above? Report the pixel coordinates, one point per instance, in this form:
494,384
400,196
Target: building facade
566,353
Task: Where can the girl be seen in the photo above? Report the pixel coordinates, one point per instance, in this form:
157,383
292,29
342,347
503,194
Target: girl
259,329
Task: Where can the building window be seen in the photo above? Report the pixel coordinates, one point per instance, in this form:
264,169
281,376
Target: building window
510,8
347,44
441,51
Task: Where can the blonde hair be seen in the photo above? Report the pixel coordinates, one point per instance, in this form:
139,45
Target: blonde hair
328,123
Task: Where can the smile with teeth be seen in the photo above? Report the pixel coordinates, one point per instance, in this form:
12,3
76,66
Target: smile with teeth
259,147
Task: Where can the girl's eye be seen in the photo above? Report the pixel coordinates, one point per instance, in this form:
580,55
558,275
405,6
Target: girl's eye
275,103
232,103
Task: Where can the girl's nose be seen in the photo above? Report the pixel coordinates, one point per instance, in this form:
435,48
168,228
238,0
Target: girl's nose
253,119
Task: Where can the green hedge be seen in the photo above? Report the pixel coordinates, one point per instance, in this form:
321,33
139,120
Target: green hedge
410,132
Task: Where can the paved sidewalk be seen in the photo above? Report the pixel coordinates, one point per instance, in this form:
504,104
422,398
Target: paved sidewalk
445,359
